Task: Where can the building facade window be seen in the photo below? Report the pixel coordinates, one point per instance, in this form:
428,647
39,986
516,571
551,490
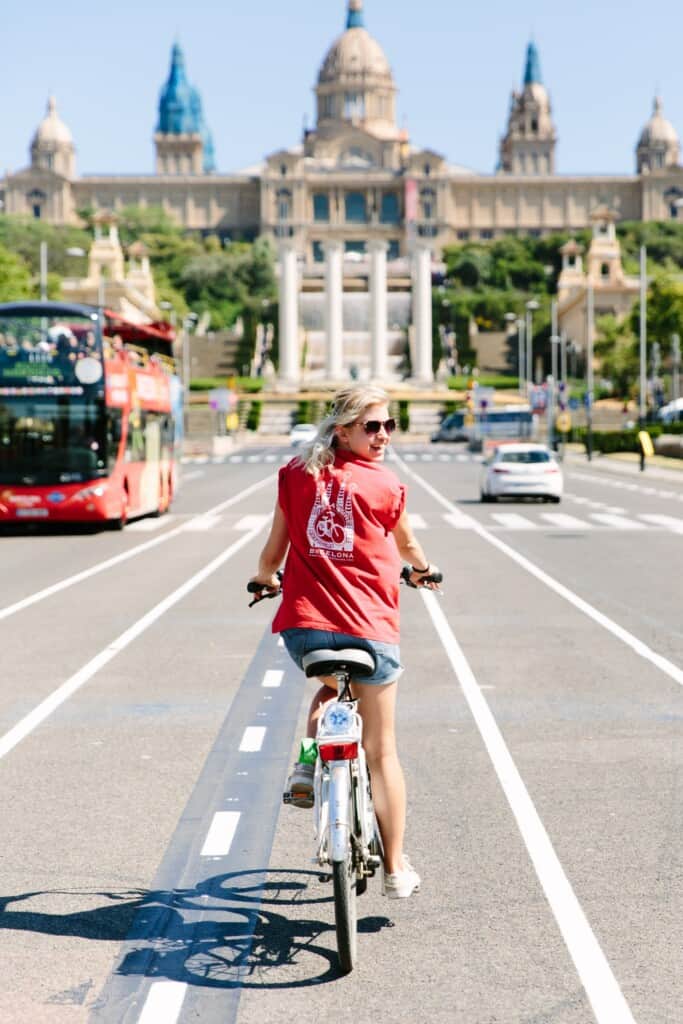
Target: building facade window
354,106
463,236
355,246
321,207
394,250
355,207
486,234
428,203
389,210
604,270
318,252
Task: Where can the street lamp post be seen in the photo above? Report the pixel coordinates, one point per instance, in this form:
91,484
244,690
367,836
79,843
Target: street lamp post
642,410
531,305
675,367
590,316
552,382
515,324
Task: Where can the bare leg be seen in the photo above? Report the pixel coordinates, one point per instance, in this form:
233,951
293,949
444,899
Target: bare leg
326,693
377,707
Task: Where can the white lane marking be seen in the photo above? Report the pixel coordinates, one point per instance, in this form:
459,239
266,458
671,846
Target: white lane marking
620,522
70,581
253,458
252,739
602,988
150,525
236,458
251,522
194,475
43,710
416,521
459,520
662,663
566,522
672,523
513,521
280,642
201,459
202,523
163,1003
270,458
273,677
221,834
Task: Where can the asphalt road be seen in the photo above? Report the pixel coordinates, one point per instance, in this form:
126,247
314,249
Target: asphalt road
148,719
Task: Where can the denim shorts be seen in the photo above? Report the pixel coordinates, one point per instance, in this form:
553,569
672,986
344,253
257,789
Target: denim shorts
387,656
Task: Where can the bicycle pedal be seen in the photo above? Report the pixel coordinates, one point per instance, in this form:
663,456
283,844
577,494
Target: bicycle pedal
374,862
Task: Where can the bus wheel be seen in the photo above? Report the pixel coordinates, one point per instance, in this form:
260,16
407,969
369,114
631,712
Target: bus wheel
119,524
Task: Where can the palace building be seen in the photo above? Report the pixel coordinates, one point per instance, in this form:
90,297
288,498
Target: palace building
354,177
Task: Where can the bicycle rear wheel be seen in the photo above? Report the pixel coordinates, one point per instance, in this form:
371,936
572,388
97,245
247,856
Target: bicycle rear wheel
344,882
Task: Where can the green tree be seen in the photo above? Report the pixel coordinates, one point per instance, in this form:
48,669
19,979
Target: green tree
15,277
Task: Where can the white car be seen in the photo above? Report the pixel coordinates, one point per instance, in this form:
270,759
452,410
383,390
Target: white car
521,471
302,433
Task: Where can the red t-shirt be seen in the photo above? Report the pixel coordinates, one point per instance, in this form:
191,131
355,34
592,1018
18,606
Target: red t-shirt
343,566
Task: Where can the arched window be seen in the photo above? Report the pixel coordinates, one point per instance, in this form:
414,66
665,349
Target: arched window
321,206
284,204
428,203
389,211
355,208
604,270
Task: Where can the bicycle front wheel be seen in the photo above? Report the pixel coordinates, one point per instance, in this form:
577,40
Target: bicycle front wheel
344,881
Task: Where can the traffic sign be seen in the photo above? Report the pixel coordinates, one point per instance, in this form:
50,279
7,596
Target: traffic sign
563,422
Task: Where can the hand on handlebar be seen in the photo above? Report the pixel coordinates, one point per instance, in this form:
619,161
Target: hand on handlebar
429,580
262,589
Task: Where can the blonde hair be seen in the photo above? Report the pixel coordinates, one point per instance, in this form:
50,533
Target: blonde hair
348,404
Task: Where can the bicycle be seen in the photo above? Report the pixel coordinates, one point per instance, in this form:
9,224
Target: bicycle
347,832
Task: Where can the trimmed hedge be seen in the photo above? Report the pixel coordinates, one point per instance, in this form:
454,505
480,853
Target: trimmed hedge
496,381
608,441
250,385
254,417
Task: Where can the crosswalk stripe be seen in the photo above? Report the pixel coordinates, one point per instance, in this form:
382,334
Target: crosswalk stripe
149,525
670,522
251,522
459,520
201,523
236,458
513,521
565,521
620,522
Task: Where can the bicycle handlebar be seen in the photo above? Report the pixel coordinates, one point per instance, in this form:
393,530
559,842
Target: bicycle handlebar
261,591
407,572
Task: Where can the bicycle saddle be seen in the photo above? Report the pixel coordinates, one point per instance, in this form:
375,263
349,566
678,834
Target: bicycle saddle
358,663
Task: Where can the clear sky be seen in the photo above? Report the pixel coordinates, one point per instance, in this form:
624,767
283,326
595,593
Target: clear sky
255,63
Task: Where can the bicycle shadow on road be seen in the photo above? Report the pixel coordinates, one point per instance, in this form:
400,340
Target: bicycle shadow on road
249,929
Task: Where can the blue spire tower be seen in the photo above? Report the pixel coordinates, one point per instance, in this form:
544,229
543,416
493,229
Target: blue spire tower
183,141
354,18
532,68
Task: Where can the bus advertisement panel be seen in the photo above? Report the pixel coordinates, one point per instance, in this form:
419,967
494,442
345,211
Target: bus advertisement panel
86,423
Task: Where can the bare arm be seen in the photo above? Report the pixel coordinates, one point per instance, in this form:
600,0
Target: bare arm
274,551
411,551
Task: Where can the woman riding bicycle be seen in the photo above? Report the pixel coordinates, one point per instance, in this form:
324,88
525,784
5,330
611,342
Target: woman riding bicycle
340,520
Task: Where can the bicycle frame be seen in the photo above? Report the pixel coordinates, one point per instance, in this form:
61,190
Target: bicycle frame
344,818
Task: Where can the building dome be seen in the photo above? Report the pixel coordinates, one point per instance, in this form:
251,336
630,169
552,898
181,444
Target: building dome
658,129
354,54
658,145
52,130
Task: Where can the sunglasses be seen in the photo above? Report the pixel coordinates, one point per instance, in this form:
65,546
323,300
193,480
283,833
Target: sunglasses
374,426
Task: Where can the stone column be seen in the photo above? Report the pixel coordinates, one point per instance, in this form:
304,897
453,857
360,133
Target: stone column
334,290
378,310
422,313
290,370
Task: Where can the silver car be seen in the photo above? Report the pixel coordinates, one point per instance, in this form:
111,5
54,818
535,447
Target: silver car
521,471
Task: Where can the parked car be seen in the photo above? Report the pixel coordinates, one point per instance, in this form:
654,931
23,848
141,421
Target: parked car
521,471
302,433
671,413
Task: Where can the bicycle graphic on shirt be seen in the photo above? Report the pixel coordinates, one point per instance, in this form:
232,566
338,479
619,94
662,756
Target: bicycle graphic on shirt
327,528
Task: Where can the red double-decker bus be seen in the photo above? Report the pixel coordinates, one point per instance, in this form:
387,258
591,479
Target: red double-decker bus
90,415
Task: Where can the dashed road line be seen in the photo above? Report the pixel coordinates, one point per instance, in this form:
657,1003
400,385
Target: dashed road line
620,522
252,739
272,678
221,834
164,1003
